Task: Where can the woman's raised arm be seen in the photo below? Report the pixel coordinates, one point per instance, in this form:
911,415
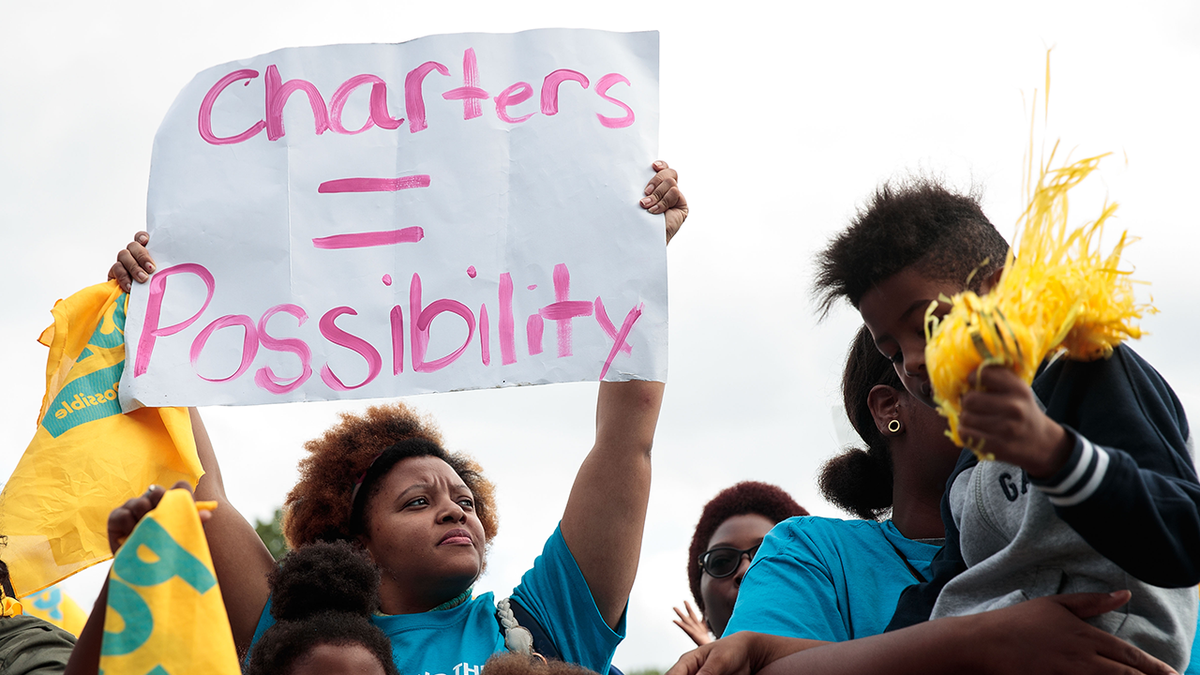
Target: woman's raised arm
241,559
606,512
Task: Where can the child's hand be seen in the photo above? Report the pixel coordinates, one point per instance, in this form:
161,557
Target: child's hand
125,517
663,196
1004,414
133,263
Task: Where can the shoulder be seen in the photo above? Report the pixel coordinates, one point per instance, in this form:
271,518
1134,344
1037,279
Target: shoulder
1122,378
25,628
821,533
29,644
1120,402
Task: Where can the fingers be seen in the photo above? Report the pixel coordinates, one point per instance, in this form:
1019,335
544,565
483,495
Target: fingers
662,192
125,517
664,197
997,379
1005,416
1087,605
991,415
134,263
724,662
690,663
1134,660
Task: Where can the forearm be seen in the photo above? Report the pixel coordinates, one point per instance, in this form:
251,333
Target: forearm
1135,495
1144,521
241,560
85,657
926,649
606,512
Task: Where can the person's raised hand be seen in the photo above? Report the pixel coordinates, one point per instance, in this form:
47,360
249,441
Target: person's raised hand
691,623
663,196
133,263
1002,412
125,517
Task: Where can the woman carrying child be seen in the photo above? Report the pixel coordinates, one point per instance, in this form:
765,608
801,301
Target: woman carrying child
1095,493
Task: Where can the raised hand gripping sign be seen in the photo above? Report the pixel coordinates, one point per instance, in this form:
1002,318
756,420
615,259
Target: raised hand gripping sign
353,221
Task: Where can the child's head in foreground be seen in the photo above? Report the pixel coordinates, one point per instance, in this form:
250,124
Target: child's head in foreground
322,597
913,242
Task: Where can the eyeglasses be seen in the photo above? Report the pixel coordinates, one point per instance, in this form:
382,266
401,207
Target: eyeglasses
723,561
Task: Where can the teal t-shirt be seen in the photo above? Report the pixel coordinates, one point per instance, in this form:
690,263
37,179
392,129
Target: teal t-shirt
828,579
458,641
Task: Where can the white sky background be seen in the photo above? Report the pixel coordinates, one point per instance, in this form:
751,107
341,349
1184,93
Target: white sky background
781,118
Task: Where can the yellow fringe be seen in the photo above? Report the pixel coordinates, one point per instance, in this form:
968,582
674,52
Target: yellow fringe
1059,294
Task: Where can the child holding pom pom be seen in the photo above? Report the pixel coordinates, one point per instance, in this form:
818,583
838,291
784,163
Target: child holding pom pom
1093,488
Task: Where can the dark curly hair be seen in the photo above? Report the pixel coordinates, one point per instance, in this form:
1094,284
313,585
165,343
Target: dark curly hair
323,505
860,481
321,594
508,663
766,500
907,222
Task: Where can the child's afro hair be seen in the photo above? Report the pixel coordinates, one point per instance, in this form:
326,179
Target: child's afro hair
508,663
323,506
322,594
766,500
909,222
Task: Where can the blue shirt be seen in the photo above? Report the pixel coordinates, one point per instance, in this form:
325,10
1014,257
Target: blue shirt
458,641
827,579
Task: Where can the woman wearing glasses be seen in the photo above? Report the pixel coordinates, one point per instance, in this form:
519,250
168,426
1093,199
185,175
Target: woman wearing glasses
835,580
730,530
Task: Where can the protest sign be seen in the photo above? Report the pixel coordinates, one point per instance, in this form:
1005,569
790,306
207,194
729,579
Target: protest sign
454,212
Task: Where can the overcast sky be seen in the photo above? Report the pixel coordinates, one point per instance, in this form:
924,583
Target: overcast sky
781,118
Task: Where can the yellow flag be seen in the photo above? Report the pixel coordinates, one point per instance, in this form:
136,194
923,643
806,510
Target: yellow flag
56,607
165,612
86,458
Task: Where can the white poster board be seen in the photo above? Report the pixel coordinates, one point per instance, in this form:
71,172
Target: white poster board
370,220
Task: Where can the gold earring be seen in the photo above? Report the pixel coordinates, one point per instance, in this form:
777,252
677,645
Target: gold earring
894,426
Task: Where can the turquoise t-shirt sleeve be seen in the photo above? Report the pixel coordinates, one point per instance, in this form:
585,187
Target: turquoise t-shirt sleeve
265,621
788,591
555,593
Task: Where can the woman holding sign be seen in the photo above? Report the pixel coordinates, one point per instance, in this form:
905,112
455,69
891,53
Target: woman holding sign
425,517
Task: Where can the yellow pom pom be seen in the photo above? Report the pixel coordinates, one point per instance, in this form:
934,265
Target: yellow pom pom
1057,293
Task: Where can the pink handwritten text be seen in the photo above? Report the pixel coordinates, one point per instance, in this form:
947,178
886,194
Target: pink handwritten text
421,320
329,117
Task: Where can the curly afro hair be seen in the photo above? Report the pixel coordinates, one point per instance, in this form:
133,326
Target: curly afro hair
766,500
322,594
907,222
323,506
860,481
508,663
